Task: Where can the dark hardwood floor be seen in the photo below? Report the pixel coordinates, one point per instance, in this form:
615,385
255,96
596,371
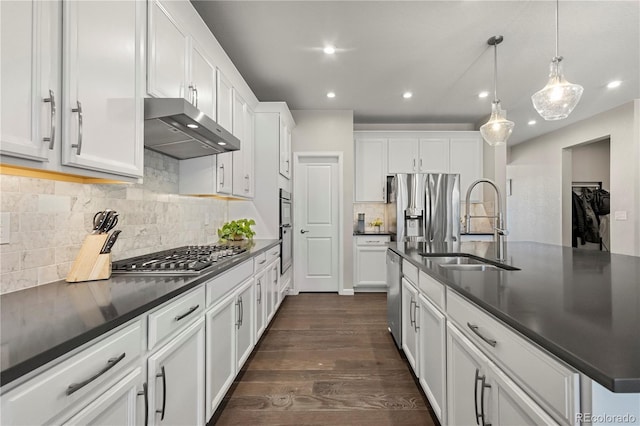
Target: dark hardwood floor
326,360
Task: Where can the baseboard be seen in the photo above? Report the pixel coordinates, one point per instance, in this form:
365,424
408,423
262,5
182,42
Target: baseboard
347,292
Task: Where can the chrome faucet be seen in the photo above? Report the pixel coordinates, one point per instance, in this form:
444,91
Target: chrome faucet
499,231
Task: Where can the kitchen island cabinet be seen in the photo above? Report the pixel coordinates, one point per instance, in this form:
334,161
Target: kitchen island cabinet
536,338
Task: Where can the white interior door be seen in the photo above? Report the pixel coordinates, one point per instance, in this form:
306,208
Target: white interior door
316,205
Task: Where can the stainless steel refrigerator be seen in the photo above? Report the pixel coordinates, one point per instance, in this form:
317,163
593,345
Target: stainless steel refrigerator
425,207
424,211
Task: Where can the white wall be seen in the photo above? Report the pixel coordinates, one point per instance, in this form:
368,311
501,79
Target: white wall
540,203
331,130
591,163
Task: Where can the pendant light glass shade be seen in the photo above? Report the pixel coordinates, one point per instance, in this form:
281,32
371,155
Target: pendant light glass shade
559,97
497,130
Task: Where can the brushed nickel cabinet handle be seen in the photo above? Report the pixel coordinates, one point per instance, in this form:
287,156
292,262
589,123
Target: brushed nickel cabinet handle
164,392
52,130
474,328
186,314
144,392
78,146
74,387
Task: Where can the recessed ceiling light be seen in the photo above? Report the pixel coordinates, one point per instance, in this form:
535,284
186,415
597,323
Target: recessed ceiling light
192,126
407,95
614,84
532,122
331,95
222,143
329,50
483,94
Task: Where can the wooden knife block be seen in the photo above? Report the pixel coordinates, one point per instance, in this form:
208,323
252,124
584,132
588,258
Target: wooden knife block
90,265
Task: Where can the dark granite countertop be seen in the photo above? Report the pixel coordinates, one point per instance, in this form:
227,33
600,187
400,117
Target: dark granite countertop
582,306
39,324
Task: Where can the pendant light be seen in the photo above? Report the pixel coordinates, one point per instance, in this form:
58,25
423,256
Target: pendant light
497,130
559,97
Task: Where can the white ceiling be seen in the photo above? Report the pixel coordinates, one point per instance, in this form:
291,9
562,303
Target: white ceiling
435,49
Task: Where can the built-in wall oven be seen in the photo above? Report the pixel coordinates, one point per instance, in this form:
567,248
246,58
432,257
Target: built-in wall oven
286,232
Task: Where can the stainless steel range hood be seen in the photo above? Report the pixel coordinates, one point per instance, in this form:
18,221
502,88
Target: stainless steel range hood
176,128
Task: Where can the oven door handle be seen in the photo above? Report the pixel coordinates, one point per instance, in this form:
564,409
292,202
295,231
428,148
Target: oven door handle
286,226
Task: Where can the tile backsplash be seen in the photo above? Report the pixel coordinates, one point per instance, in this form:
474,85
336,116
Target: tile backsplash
371,211
49,220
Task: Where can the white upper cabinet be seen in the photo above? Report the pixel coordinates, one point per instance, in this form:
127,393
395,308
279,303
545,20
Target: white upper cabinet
202,86
30,82
371,170
403,155
224,174
285,149
225,102
433,155
95,126
243,129
102,102
466,159
168,55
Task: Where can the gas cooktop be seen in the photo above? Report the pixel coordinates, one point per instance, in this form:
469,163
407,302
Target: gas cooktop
187,260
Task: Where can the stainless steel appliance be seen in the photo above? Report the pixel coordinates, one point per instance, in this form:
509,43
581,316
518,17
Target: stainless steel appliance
394,297
286,234
426,208
187,260
177,128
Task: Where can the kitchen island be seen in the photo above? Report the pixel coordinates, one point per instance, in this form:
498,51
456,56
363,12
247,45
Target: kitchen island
582,307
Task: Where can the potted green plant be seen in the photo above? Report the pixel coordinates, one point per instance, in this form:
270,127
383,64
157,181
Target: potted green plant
237,230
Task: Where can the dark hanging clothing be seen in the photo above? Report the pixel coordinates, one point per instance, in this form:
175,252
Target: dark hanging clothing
578,220
592,223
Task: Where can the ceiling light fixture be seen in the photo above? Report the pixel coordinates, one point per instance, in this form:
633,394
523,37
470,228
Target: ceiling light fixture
497,130
559,97
483,95
532,122
192,126
614,84
331,95
407,95
329,50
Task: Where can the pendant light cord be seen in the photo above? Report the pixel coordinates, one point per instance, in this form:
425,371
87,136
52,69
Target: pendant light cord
495,73
557,26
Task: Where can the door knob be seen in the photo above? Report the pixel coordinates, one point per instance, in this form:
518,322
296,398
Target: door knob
302,231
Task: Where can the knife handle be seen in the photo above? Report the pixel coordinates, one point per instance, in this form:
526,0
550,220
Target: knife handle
110,242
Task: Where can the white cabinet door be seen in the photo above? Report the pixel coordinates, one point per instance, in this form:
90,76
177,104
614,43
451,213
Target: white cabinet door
102,105
220,352
466,159
466,380
120,405
371,170
242,159
370,266
285,150
511,405
167,59
261,281
224,108
224,175
29,33
410,324
202,88
244,322
273,287
176,379
434,155
402,155
432,356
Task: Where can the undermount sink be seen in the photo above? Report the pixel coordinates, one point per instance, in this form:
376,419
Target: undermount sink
466,262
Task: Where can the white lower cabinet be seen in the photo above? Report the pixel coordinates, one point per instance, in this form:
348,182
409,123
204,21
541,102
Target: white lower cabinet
479,392
273,289
244,322
370,265
432,356
410,325
123,404
221,354
176,379
261,280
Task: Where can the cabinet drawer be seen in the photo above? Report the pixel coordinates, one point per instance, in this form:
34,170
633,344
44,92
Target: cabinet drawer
272,254
549,382
73,380
226,282
410,271
175,315
259,262
433,289
372,240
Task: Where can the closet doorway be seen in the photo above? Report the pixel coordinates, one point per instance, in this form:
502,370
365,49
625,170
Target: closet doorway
590,184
